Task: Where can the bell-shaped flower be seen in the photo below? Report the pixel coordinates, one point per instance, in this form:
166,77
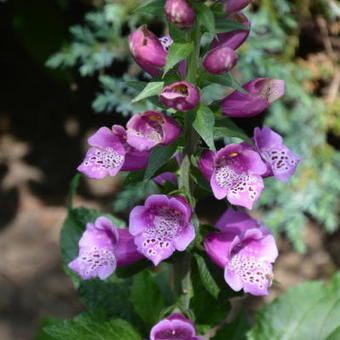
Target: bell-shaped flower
233,39
261,92
181,96
109,153
234,172
180,13
102,248
281,162
246,251
220,60
147,50
231,6
162,226
174,327
145,130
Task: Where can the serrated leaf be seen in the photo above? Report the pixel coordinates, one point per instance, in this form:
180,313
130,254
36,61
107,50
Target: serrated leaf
205,16
147,298
206,278
177,52
227,25
204,125
152,7
92,326
226,79
225,127
158,157
151,89
310,311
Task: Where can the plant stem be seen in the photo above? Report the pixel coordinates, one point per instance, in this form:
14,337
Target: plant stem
182,266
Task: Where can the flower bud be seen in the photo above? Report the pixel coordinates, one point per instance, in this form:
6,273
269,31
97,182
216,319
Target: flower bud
231,6
180,13
147,50
261,93
220,60
234,39
145,130
181,96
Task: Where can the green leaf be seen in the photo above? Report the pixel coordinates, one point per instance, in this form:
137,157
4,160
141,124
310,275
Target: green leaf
206,278
310,311
151,89
176,33
41,333
177,52
204,125
225,127
92,326
213,92
158,157
227,25
147,298
205,16
152,7
73,190
226,80
236,330
134,177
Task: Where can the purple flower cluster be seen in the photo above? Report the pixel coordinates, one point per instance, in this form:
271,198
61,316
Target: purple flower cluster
114,150
246,251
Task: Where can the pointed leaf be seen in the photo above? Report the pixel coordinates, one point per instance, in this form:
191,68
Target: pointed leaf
227,25
204,125
205,16
225,127
177,52
155,7
151,89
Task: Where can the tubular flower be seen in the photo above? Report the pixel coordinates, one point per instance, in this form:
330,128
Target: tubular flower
162,226
180,13
281,162
233,39
147,50
246,251
109,153
181,96
174,327
261,93
102,248
220,60
145,130
235,173
231,6
164,177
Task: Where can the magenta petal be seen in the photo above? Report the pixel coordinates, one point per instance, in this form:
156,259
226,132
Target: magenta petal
186,237
172,330
234,39
254,162
135,160
218,190
103,138
206,164
164,177
233,280
217,247
179,13
220,60
126,251
136,220
235,5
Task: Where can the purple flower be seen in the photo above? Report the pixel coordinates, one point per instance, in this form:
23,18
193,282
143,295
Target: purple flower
234,172
162,226
166,42
147,50
145,130
164,177
181,96
261,93
281,162
233,39
220,60
180,13
235,5
109,153
102,248
174,327
246,251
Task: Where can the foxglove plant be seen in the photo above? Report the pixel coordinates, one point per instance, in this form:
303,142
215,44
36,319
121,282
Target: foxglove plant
175,148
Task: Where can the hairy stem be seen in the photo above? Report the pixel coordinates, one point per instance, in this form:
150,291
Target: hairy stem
181,267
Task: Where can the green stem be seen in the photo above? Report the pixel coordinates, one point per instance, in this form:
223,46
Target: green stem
181,268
